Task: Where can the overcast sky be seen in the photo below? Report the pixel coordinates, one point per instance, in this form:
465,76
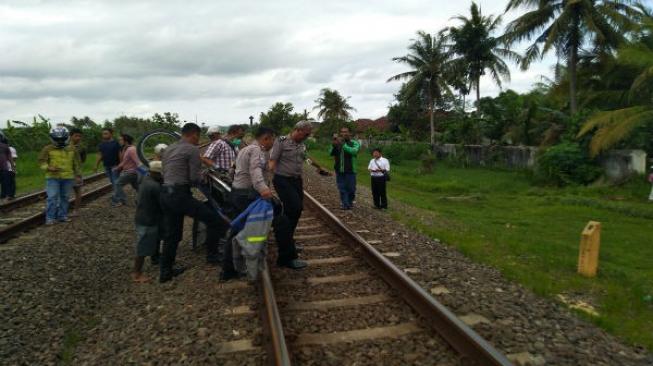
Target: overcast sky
221,61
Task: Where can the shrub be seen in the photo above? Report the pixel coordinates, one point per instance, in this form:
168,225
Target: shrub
404,151
428,162
566,163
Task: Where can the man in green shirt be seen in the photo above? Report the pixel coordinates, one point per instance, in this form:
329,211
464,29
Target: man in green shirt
62,167
344,150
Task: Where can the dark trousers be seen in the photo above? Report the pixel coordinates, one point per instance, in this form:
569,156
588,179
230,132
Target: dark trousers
378,192
347,186
241,199
7,184
291,193
178,202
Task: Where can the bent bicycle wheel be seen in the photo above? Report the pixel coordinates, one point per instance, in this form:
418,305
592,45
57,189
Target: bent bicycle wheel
147,143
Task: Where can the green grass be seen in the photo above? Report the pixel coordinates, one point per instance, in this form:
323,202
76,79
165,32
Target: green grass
71,339
31,178
532,234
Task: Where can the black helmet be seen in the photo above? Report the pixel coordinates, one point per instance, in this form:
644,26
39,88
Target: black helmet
59,136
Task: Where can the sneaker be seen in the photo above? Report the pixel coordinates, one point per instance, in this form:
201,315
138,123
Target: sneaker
65,219
50,222
177,271
230,275
294,264
165,278
117,204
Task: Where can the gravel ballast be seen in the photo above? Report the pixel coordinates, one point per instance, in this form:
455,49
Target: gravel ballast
528,328
68,298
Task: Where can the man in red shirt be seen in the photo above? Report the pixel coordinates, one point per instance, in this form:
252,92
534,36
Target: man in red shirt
127,171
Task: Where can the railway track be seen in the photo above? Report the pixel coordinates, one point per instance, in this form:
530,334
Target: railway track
352,306
28,211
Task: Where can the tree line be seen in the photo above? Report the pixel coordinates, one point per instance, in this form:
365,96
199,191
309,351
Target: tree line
600,91
33,136
598,98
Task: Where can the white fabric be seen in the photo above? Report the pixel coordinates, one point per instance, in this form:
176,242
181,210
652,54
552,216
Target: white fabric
212,130
383,164
159,148
14,155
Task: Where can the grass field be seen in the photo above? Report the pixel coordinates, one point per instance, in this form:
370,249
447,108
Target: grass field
532,234
31,178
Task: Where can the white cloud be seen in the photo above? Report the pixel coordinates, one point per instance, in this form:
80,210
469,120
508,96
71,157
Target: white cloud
219,60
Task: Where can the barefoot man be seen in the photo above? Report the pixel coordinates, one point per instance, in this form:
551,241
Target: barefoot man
148,216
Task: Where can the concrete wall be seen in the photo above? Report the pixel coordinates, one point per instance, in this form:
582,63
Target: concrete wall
516,157
618,164
621,164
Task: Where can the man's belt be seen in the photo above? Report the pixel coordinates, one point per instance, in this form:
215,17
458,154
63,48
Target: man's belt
171,188
243,191
289,177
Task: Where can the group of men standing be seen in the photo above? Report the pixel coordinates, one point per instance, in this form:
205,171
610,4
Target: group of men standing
265,163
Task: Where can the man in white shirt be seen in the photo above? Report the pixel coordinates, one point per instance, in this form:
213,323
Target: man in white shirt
11,167
379,168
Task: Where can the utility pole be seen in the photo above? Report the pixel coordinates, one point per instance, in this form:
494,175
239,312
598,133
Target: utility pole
251,121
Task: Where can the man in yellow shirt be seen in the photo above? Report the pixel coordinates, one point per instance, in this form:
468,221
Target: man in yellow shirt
62,166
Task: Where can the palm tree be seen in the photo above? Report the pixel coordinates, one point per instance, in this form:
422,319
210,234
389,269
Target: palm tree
333,106
279,116
565,26
478,51
431,67
614,126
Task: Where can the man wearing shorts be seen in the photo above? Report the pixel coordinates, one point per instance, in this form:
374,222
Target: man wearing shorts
148,216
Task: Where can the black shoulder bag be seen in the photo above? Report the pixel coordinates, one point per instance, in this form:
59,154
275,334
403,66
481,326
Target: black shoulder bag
386,174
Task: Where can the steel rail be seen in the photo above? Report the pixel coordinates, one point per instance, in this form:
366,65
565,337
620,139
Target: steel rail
39,195
39,218
460,337
278,354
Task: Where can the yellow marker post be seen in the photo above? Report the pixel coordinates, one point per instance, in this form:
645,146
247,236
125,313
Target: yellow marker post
588,255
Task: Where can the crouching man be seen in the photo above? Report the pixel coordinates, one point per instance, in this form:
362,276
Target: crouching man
249,184
148,218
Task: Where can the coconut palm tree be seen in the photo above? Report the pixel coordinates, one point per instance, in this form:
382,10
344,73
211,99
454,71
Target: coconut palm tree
477,51
431,66
614,126
566,26
333,106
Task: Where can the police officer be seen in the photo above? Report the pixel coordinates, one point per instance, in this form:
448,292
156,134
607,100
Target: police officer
250,183
181,170
287,161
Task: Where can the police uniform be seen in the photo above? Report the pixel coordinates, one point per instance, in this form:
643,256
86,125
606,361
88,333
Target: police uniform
289,157
249,181
181,170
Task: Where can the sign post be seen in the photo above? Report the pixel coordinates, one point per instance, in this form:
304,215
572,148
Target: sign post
588,255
